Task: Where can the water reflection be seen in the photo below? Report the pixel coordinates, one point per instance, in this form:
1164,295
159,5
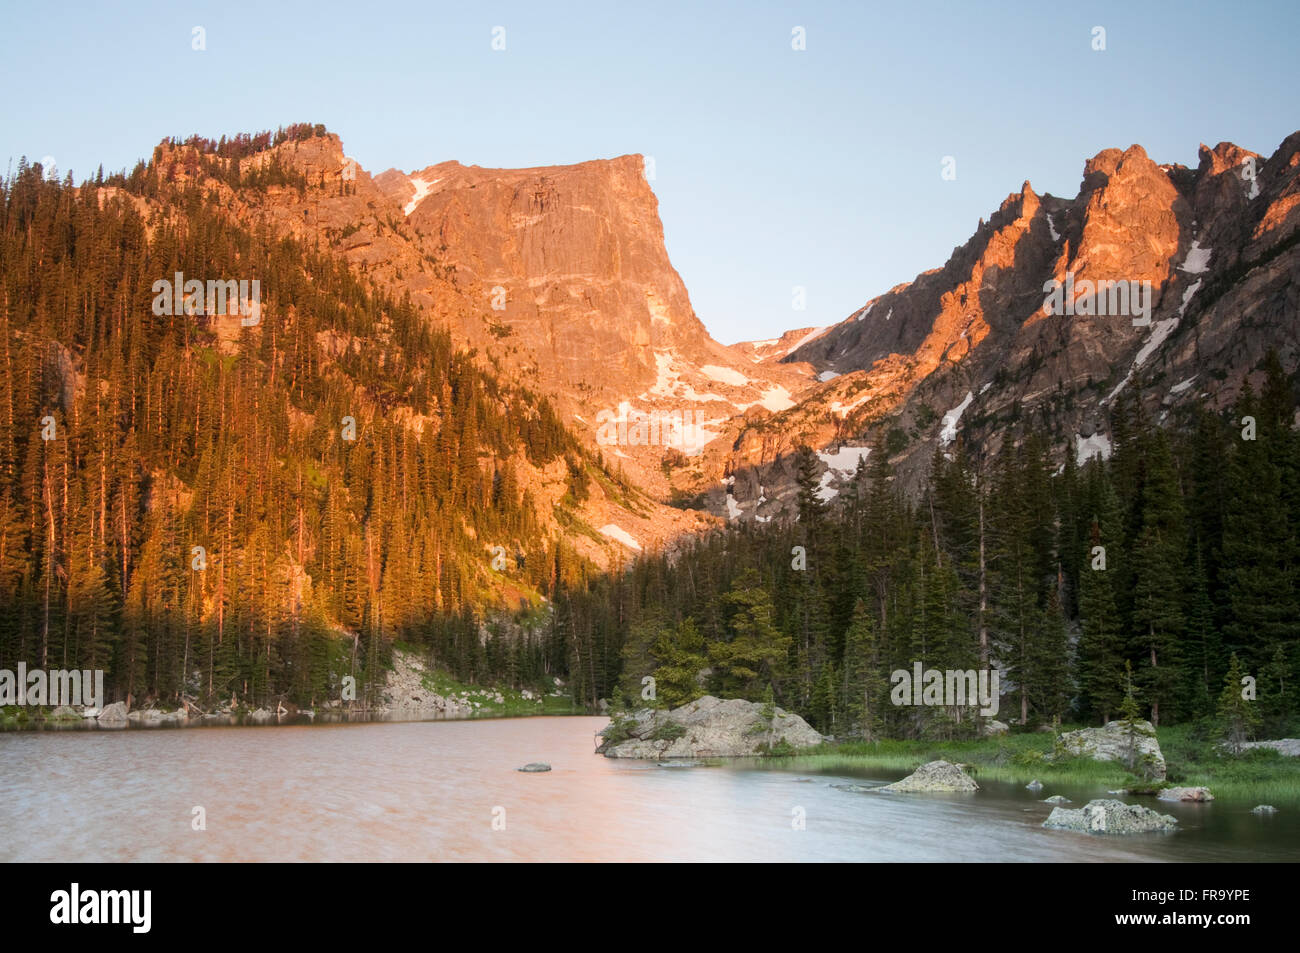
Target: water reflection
426,791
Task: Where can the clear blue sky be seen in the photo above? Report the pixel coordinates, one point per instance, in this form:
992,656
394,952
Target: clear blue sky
774,168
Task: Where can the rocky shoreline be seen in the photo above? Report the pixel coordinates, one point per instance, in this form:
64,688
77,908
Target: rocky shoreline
405,697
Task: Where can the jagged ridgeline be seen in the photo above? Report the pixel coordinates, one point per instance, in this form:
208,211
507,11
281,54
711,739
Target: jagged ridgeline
1180,555
209,504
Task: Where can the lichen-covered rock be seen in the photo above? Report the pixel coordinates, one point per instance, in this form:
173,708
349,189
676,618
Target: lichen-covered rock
935,776
1289,747
708,727
113,716
1106,816
1138,749
1185,794
993,727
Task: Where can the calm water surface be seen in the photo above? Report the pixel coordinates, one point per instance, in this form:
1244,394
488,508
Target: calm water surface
426,791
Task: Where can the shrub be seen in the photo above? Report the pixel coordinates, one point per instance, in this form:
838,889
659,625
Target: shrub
668,731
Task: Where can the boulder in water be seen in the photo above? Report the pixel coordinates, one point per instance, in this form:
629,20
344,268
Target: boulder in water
1105,816
935,776
534,767
1185,794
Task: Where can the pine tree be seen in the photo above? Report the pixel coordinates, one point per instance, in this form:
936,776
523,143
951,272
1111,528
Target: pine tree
1237,713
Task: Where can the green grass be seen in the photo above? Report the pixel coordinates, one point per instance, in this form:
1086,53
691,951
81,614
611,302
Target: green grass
1191,759
1262,775
513,703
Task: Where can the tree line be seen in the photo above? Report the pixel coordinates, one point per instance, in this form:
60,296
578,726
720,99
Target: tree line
209,511
1176,557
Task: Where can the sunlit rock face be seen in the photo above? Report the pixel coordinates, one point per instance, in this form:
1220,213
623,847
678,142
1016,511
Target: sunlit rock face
1217,245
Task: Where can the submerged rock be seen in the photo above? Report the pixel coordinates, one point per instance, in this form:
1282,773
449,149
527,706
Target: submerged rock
1106,816
1185,794
935,776
1056,799
1034,785
705,728
534,767
1115,742
1264,809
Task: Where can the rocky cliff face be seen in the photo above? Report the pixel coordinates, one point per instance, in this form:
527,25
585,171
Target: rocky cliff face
979,351
559,278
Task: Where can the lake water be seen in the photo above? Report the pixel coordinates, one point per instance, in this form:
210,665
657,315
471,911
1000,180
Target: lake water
430,791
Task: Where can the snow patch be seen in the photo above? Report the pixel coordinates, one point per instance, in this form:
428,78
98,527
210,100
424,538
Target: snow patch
826,492
843,410
1197,261
805,339
724,375
1182,385
776,399
422,190
950,420
614,531
1051,226
1088,447
845,459
1160,331
668,382
825,376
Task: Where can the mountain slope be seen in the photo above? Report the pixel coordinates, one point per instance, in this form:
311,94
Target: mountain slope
971,351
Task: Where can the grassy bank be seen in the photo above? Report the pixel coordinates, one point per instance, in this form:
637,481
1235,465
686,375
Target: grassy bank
511,702
1260,776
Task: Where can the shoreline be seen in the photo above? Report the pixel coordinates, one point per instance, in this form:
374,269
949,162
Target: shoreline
1257,776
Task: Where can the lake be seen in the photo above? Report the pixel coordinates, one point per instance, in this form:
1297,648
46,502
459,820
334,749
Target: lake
432,791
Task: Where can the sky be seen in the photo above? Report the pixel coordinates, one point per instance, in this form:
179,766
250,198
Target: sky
776,168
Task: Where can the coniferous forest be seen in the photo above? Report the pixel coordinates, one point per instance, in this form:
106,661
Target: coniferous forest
169,486
183,506
1169,560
